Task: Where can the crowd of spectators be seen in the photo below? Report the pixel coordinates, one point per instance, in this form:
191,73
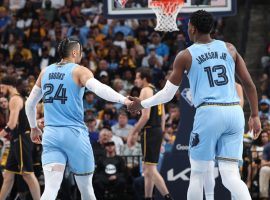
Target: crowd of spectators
112,49
256,166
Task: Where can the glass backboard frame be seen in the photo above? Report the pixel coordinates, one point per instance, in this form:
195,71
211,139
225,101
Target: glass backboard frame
111,12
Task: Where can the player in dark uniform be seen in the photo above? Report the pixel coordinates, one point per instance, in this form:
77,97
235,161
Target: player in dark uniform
20,156
151,123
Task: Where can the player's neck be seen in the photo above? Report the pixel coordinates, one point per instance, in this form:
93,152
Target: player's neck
203,39
67,60
145,84
13,92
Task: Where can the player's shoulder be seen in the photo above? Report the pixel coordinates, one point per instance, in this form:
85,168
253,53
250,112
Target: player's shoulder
184,53
147,90
230,47
79,69
232,50
183,59
16,100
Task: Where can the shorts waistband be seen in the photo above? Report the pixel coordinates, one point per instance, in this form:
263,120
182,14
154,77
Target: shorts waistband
218,104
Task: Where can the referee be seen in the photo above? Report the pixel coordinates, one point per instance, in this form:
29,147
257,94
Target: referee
151,123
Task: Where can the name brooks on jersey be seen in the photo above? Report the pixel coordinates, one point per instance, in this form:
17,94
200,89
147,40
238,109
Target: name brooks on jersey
210,55
56,75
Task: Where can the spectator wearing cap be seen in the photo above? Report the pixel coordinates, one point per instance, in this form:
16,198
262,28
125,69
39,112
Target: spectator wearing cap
161,48
122,128
91,124
152,60
104,77
264,109
110,174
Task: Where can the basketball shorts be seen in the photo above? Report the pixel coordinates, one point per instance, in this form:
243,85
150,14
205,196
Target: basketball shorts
68,145
217,133
19,159
151,140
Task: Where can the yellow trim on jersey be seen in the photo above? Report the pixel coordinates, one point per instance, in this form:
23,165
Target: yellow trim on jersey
21,153
144,151
149,163
159,109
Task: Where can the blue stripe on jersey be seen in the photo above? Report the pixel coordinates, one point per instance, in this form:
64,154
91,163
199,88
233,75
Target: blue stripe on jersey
62,97
211,75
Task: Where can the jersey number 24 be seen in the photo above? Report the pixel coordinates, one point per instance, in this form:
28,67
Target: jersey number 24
60,93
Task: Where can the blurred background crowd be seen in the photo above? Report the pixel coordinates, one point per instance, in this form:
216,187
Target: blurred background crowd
30,32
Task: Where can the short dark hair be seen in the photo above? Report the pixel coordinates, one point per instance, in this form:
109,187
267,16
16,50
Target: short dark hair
145,72
122,112
11,81
202,20
66,46
18,83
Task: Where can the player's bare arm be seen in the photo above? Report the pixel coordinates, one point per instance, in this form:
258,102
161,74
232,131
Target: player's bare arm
163,122
240,93
182,62
15,105
145,115
249,88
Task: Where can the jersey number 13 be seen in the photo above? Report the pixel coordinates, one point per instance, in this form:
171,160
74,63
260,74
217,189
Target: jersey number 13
221,73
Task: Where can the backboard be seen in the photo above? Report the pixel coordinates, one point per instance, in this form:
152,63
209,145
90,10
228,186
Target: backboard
139,8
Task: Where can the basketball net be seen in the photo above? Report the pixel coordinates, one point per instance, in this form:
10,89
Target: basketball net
166,12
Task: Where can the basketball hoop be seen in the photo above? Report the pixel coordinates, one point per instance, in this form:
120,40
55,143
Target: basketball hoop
122,3
166,12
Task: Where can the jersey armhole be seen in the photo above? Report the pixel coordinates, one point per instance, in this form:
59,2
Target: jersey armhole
229,53
187,71
72,75
43,73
